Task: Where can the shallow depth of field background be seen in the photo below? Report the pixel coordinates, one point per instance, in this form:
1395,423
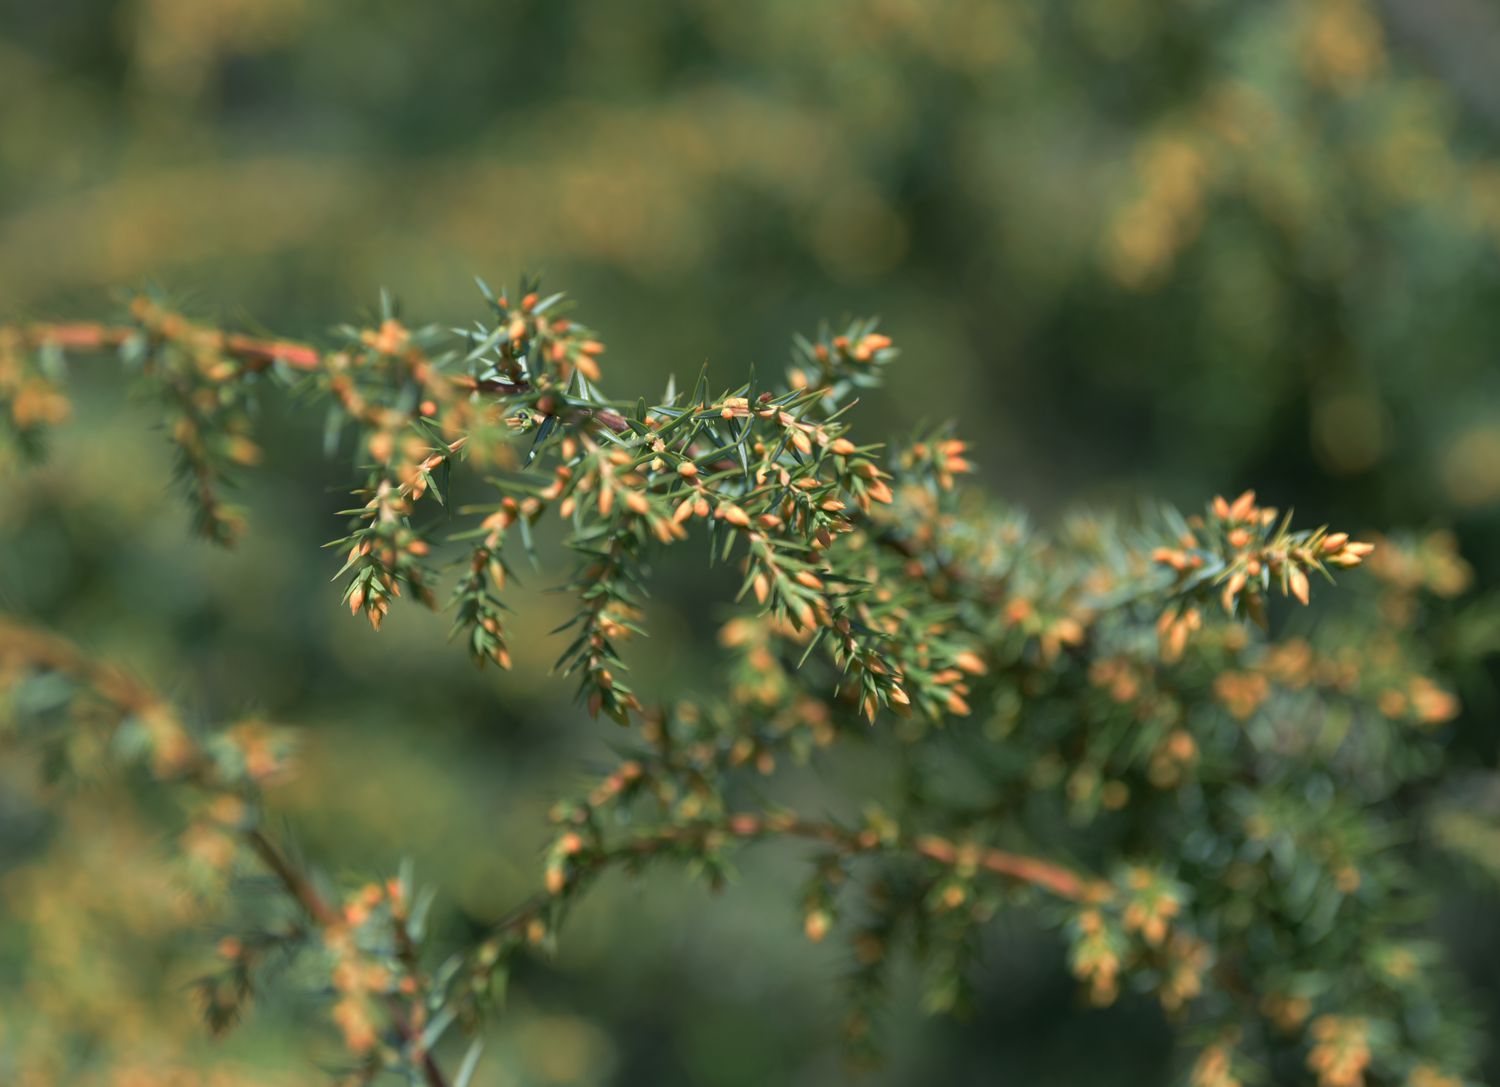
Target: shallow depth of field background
1134,247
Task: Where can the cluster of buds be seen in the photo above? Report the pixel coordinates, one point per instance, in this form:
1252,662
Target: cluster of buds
1098,955
864,349
528,335
1217,1065
834,362
622,480
1123,928
196,373
375,977
384,554
1173,758
1340,1053
1421,700
939,459
1121,678
1174,627
820,896
561,860
1187,960
29,400
758,675
253,753
210,843
1241,693
1151,904
794,591
932,675
1248,551
391,340
603,622
478,610
1430,563
409,440
1396,691
1287,1012
1062,632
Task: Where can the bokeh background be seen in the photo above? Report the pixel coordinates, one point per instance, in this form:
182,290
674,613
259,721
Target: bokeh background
1134,247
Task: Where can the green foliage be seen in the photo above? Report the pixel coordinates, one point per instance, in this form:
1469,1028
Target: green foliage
1077,722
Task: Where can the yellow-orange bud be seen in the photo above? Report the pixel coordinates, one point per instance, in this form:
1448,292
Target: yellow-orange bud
816,924
1297,582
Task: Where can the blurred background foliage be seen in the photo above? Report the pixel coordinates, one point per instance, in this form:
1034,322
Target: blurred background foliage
1134,247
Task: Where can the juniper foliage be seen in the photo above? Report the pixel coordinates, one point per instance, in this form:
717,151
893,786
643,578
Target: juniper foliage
1092,723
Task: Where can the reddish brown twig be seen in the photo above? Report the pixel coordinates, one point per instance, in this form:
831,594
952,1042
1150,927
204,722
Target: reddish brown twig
256,355
1045,875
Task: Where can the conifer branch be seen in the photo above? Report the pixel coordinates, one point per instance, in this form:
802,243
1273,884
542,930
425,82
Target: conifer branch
1097,692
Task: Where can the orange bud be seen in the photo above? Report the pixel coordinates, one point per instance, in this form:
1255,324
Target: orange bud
762,587
1297,582
1232,588
816,925
970,662
382,445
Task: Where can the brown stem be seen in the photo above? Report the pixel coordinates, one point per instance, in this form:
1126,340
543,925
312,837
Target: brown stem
295,881
259,354
1034,871
255,354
